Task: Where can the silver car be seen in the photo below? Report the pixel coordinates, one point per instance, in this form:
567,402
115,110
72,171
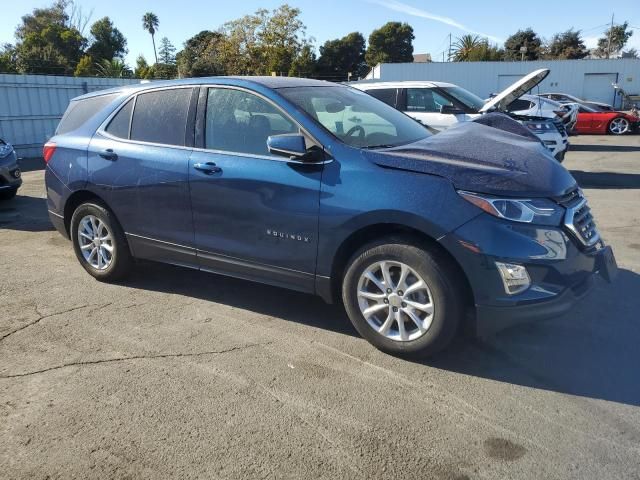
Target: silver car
10,175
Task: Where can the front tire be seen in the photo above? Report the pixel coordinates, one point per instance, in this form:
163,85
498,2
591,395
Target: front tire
8,194
402,297
99,242
619,126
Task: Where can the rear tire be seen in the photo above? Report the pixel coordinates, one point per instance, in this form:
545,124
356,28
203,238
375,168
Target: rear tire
619,126
99,242
8,194
401,323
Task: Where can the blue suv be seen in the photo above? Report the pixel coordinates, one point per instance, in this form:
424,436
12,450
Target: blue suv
321,188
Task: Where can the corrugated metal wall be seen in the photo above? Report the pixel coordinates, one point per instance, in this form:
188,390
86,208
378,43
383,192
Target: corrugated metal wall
32,105
485,78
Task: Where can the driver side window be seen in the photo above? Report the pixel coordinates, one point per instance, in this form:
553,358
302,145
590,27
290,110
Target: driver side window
425,100
239,121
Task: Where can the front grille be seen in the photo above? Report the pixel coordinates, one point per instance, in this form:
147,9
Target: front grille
578,219
560,126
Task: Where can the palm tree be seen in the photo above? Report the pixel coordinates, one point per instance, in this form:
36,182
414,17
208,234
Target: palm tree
464,46
150,24
114,68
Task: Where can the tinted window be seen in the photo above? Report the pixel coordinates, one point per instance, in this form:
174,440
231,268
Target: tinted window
387,95
79,111
161,116
238,121
425,100
119,125
355,117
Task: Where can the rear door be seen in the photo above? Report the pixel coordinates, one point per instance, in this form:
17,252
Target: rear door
141,161
255,214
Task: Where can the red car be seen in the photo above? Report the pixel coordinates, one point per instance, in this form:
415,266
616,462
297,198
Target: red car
591,120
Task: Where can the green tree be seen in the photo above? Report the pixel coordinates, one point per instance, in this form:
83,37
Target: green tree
567,45
108,42
8,59
391,43
167,52
240,51
613,40
342,56
84,67
114,68
631,53
143,69
281,39
304,65
150,23
165,71
46,43
523,38
200,57
464,47
485,52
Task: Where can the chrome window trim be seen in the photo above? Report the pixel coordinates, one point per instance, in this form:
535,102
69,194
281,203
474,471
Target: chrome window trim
102,128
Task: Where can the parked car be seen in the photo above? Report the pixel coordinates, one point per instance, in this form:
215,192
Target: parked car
440,105
535,106
594,121
566,98
321,188
10,175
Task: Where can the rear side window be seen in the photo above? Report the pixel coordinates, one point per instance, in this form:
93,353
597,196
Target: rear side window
161,116
387,95
79,111
119,125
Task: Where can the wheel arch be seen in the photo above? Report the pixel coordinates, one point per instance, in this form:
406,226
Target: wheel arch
373,232
74,201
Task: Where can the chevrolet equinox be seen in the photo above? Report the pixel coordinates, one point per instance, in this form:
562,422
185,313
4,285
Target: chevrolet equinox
321,188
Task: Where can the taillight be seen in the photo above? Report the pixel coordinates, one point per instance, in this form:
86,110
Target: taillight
48,151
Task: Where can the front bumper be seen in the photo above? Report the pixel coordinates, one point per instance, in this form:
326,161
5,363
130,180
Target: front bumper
10,174
561,271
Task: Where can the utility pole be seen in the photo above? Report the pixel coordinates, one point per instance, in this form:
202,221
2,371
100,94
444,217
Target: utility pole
449,47
609,40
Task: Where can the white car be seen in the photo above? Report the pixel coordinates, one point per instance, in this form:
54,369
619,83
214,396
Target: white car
440,105
535,106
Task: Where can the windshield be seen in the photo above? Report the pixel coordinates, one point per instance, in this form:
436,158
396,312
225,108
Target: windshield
465,97
357,119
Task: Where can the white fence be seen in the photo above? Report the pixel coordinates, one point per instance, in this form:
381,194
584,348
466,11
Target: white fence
31,106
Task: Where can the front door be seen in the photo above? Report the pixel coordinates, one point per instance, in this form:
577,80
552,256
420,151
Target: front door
255,214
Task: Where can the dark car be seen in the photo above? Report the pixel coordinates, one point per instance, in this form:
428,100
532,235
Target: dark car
321,188
10,175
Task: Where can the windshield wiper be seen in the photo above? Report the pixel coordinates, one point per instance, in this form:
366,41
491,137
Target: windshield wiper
384,145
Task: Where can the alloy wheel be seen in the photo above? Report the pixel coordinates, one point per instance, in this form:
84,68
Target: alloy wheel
395,301
619,125
96,242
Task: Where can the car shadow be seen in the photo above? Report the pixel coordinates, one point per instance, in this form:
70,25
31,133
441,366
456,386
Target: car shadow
604,148
25,213
31,164
605,180
592,352
263,299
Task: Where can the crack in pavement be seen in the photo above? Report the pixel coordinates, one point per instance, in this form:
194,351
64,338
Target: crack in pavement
43,317
135,357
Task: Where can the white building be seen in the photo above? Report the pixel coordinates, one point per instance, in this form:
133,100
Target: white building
588,79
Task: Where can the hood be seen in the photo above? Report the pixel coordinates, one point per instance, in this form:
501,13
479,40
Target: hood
482,159
516,90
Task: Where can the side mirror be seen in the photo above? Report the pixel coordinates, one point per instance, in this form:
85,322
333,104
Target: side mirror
287,145
450,109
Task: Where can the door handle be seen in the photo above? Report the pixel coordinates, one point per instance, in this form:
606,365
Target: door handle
208,167
109,154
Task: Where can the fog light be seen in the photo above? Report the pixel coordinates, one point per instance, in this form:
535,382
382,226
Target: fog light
17,173
514,277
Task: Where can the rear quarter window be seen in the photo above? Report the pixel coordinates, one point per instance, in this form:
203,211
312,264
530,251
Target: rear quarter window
119,124
161,116
79,111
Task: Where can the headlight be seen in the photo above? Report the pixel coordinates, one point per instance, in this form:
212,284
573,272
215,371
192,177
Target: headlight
539,211
540,127
5,149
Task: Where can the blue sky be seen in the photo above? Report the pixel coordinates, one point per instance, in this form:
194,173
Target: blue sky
326,19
